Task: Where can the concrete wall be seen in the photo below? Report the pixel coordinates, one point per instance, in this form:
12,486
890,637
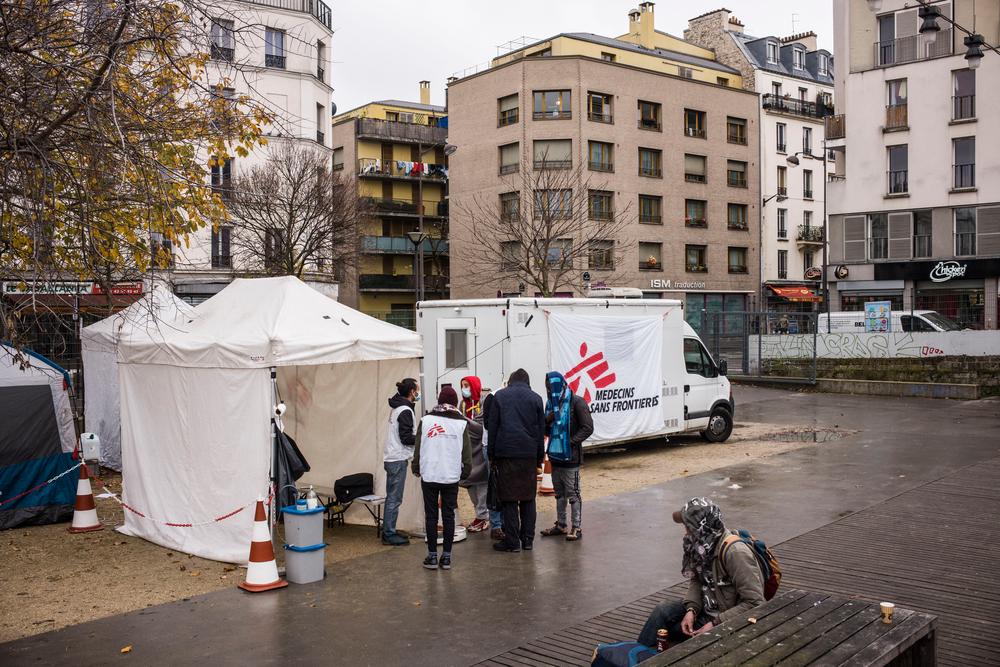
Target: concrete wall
876,345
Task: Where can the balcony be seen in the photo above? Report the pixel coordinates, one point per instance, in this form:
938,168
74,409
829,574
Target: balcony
794,107
271,60
377,282
401,245
405,207
224,53
374,168
909,49
391,130
809,235
316,8
895,117
835,126
782,191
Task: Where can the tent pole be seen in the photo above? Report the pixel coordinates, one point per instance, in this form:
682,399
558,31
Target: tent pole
274,449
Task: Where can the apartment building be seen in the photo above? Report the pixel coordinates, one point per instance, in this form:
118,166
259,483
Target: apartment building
396,152
794,80
277,53
666,132
915,207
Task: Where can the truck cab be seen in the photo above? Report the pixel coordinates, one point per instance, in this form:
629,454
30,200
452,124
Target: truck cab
708,394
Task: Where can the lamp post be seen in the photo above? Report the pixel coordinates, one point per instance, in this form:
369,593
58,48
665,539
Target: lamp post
793,160
417,238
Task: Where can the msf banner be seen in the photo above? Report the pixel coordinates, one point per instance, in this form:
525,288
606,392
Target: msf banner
615,364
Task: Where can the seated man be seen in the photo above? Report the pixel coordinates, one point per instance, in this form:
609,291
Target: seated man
724,582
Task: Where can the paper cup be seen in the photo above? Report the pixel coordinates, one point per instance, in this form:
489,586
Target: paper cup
887,609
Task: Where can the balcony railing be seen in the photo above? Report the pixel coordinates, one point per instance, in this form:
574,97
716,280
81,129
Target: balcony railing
695,178
835,126
810,234
222,261
736,137
374,167
601,166
696,268
965,175
600,117
909,49
401,245
898,182
271,60
405,207
739,225
696,132
509,168
651,266
736,179
391,130
895,117
794,106
653,172
508,117
807,194
781,147
553,164
650,124
782,191
405,283
695,222
225,53
650,218
316,8
554,114
963,107
401,318
737,268
602,214
320,137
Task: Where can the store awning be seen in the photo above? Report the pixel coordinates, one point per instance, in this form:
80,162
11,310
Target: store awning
67,303
796,293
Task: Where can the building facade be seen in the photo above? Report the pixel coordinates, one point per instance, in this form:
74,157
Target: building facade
915,207
794,80
395,151
667,134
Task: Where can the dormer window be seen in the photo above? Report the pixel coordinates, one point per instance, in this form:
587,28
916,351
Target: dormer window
824,64
772,53
799,58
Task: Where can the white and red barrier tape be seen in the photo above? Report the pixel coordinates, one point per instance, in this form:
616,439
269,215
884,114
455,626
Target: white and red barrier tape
40,486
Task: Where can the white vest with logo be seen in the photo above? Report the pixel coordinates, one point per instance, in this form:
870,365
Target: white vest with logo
441,449
395,450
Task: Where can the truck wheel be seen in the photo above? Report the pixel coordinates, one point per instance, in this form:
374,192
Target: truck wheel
720,426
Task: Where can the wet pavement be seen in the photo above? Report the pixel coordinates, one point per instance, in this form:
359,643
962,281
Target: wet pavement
386,610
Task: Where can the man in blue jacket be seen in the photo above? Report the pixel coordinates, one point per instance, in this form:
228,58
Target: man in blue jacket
516,424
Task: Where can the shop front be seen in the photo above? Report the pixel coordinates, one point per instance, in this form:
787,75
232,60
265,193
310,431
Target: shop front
704,306
963,290
804,297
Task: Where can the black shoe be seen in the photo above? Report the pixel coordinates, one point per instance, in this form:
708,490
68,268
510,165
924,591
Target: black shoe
527,546
445,561
500,546
431,562
395,540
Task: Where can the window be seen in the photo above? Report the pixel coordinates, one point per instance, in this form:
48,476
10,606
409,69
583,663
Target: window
695,213
649,116
559,252
274,247
780,132
696,359
736,130
694,123
507,110
650,256
391,115
965,231
650,210
552,105
456,351
511,254
221,243
964,150
223,40
553,154
808,257
599,108
803,94
338,158
878,236
807,140
721,81
695,168
274,48
320,61
320,123
695,258
895,109
510,206
964,99
737,217
601,255
921,233
782,264
544,53
898,169
608,57
553,203
601,156
798,58
824,64
776,89
601,206
510,158
650,163
807,219
161,251
222,176
782,224
886,39
772,52
736,174
737,260
685,72
807,184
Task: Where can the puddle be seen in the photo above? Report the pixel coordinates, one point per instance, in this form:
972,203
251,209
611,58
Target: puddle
805,436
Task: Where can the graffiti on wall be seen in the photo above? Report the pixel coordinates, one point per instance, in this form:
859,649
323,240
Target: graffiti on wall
877,345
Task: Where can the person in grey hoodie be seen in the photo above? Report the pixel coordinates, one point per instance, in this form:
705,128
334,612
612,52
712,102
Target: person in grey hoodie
400,438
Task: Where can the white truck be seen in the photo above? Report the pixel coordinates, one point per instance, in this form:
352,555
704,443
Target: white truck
902,321
640,366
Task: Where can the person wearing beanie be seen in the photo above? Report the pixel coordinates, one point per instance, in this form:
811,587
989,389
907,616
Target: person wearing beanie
400,437
441,459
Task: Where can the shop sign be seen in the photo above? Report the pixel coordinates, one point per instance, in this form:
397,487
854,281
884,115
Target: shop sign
813,273
69,288
945,271
936,271
661,283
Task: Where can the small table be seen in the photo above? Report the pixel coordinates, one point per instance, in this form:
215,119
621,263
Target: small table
375,502
800,628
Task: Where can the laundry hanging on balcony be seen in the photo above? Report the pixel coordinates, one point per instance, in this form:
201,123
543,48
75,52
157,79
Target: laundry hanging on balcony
372,166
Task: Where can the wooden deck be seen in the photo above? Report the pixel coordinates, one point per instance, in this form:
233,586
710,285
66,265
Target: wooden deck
933,549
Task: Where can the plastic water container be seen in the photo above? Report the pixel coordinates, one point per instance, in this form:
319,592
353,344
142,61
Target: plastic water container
304,565
303,527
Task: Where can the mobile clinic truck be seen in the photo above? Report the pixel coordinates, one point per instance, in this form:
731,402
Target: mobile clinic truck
637,363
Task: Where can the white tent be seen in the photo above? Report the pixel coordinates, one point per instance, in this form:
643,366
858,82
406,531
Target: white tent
197,403
158,309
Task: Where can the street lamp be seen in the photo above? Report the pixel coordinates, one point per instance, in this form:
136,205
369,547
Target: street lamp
417,238
929,27
875,5
793,160
974,50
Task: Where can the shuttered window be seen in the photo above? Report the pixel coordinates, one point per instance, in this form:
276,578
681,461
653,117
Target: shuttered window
900,234
988,230
854,238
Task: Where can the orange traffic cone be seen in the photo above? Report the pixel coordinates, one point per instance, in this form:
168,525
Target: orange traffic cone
262,571
546,488
84,511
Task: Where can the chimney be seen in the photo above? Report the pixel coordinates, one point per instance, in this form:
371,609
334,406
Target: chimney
806,39
640,24
734,25
425,92
710,24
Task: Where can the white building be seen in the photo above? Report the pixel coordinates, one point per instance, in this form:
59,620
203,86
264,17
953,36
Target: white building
915,209
795,82
276,52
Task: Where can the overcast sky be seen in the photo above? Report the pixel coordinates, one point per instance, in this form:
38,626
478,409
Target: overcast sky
382,48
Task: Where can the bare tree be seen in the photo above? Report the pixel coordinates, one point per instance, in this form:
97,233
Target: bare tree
550,223
292,214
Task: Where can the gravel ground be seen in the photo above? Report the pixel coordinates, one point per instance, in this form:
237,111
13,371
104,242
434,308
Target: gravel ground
52,579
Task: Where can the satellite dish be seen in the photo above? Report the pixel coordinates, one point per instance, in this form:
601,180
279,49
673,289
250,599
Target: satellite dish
333,108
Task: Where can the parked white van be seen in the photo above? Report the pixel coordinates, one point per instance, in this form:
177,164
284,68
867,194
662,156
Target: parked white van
642,369
907,320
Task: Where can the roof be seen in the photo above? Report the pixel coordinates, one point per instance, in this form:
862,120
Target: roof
410,105
158,308
754,49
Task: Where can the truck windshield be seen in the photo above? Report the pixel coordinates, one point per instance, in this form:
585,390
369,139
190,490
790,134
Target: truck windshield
941,322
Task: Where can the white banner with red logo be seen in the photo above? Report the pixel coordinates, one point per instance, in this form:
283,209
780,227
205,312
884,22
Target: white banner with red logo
615,364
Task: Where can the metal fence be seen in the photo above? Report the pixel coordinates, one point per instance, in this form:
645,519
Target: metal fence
755,344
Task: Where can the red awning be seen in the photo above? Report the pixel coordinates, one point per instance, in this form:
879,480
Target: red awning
796,293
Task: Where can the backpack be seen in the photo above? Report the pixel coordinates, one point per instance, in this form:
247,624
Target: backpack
621,654
765,559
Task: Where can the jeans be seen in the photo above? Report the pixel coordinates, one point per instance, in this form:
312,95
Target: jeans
477,494
667,615
566,482
518,523
448,493
395,481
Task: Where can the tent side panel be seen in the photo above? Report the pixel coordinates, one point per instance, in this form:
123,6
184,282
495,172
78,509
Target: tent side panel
195,446
101,410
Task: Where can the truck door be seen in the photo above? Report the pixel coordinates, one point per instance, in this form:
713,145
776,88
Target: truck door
456,353
700,384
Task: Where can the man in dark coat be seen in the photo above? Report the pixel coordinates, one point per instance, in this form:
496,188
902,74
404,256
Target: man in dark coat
516,425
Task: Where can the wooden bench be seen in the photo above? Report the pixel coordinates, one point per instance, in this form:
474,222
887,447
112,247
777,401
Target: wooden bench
800,628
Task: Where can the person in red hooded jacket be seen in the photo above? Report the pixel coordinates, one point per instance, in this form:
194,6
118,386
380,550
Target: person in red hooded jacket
477,482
